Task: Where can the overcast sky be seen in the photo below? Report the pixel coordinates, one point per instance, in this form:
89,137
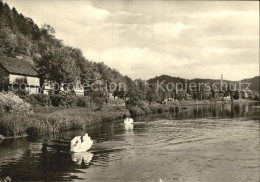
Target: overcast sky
143,39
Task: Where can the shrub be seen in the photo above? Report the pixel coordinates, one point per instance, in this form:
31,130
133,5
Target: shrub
135,111
71,100
153,108
134,102
113,112
32,131
146,109
98,98
83,101
116,102
11,103
37,99
58,100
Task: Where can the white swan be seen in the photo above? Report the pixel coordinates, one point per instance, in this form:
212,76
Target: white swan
129,127
81,144
128,121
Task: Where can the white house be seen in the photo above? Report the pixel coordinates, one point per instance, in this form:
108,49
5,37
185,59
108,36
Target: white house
18,75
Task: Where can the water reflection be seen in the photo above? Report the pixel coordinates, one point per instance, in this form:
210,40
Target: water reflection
129,127
82,158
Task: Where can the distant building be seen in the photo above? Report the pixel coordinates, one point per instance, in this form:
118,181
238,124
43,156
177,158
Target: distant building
16,73
243,94
49,88
78,89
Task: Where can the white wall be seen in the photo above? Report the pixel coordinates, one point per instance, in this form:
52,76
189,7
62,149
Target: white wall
30,80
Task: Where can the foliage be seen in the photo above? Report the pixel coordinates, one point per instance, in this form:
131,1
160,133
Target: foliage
146,109
38,99
136,111
116,102
71,100
134,102
83,101
98,98
57,120
11,103
236,95
57,65
58,100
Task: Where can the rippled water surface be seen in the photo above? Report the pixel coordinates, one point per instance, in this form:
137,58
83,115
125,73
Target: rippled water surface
204,143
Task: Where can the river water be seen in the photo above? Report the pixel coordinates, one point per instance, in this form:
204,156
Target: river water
217,143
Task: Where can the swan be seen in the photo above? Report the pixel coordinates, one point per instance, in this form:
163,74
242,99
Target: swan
129,127
81,144
127,121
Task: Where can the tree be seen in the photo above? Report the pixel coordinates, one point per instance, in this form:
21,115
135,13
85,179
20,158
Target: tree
236,95
58,66
48,30
152,94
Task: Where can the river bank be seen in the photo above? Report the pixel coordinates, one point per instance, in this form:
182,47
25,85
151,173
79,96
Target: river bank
177,106
52,120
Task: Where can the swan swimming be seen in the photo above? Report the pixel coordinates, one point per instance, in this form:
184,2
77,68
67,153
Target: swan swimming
127,121
129,127
81,144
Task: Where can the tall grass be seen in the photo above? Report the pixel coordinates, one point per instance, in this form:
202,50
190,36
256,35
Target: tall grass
59,120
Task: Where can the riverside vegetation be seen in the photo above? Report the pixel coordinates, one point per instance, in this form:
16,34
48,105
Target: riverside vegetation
39,114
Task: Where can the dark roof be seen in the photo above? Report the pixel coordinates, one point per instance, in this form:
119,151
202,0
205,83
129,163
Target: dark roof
17,66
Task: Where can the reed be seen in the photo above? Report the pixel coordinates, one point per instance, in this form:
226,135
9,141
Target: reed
62,119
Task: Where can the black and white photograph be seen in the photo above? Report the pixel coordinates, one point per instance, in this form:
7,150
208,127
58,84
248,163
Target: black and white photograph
129,91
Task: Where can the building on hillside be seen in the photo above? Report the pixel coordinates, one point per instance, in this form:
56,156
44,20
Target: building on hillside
78,89
243,94
18,75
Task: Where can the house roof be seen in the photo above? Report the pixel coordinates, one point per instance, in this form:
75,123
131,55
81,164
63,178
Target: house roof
16,66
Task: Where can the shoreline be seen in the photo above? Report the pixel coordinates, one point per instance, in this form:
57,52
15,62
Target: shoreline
55,120
207,102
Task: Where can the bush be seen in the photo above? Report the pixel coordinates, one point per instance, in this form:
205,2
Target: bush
83,102
113,112
32,131
58,100
116,102
146,109
37,99
11,103
134,102
98,98
153,108
71,100
135,111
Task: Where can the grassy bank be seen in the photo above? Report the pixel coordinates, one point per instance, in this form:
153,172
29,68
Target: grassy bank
18,118
52,120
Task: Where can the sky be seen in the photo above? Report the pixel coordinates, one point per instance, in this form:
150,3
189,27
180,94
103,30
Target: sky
144,39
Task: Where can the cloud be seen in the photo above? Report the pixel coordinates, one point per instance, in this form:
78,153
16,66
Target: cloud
186,39
170,30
